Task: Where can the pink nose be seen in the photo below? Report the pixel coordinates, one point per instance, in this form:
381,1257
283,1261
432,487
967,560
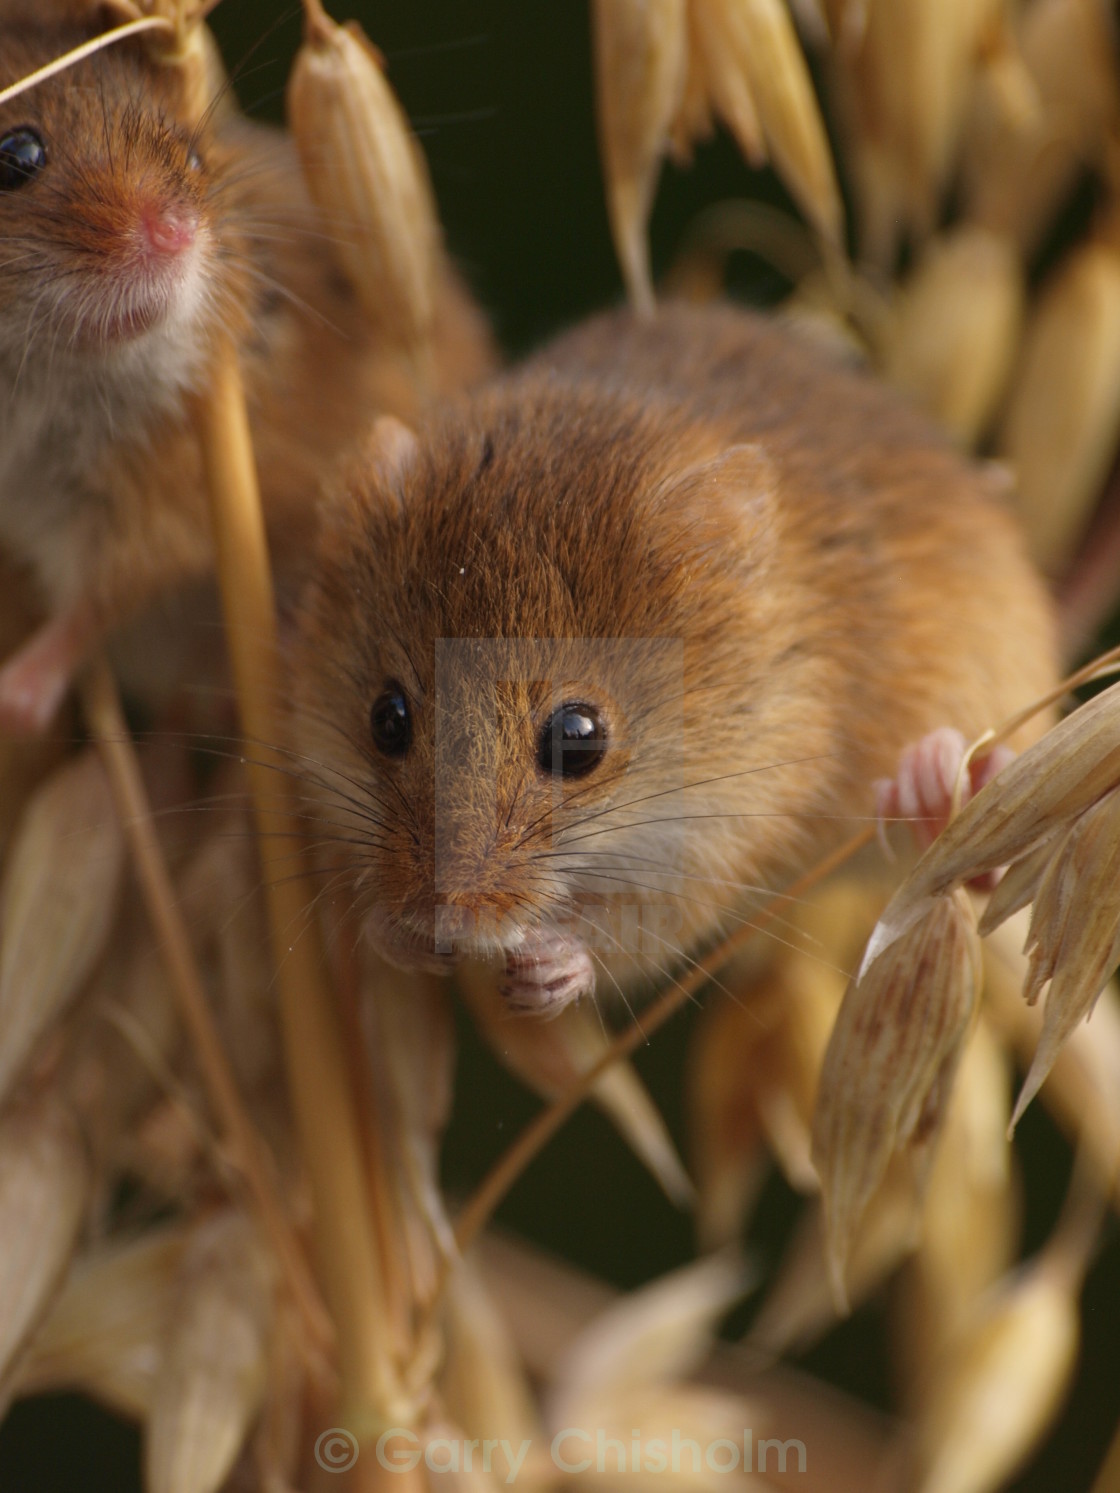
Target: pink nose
167,232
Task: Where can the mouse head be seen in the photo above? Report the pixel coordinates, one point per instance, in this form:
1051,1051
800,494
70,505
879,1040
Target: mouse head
107,237
511,677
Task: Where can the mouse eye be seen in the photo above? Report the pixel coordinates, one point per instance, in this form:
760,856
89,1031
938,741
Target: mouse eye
390,723
573,741
22,156
194,162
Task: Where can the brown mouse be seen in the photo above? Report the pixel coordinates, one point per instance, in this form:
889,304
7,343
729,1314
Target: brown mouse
631,632
127,244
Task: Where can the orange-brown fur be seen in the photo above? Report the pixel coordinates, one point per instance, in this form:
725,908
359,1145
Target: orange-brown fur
840,582
113,501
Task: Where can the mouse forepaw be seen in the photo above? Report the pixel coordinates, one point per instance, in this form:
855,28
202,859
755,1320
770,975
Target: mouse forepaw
921,792
546,972
35,679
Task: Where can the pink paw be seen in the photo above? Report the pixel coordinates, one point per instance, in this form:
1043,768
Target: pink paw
35,679
547,972
922,789
31,690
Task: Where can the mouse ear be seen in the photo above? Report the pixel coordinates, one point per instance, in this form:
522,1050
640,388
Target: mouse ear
391,449
728,503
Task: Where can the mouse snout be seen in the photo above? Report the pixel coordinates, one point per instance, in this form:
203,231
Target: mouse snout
167,231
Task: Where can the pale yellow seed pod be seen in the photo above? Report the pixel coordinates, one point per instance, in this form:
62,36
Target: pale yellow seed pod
212,1379
970,1221
367,174
801,1304
1062,425
889,1068
955,329
1001,1382
640,71
648,1337
105,1332
58,900
44,1187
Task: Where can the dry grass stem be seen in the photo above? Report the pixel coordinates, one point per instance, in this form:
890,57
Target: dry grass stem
322,1102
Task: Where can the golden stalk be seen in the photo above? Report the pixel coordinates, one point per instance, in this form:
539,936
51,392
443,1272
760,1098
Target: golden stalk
106,722
323,1103
87,49
477,1210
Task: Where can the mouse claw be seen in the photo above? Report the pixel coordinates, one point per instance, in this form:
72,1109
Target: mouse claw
546,972
921,792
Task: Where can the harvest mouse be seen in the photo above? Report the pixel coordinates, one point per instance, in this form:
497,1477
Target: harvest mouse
126,245
630,633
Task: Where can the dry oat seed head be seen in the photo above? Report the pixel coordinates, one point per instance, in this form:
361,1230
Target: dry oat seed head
640,68
1082,1091
1074,939
367,174
889,1068
753,59
58,899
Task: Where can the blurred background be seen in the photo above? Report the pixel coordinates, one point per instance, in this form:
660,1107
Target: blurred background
500,92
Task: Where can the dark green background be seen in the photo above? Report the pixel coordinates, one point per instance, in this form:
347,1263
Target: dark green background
500,91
